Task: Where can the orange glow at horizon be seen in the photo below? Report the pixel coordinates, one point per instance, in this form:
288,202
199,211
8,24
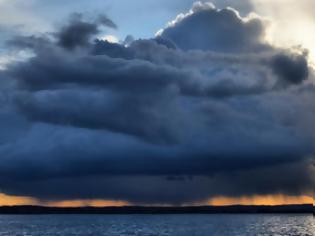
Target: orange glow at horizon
6,200
89,203
261,200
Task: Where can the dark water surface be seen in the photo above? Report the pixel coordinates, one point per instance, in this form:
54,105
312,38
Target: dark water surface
179,225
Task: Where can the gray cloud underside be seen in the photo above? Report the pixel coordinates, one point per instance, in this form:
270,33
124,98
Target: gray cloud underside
166,120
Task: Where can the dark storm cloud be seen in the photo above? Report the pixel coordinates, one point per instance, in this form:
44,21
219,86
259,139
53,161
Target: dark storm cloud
291,68
152,121
78,32
114,50
105,21
125,113
291,179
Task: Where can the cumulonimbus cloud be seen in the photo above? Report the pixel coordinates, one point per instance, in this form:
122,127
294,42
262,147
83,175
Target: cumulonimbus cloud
206,102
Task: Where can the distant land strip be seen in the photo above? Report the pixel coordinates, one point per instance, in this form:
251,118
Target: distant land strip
235,209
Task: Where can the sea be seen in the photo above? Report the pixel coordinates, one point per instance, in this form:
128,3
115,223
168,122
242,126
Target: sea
164,225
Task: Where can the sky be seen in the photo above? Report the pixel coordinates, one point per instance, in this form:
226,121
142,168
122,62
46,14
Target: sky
145,102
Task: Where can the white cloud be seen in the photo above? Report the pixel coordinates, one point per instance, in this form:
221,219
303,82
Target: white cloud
14,56
110,38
